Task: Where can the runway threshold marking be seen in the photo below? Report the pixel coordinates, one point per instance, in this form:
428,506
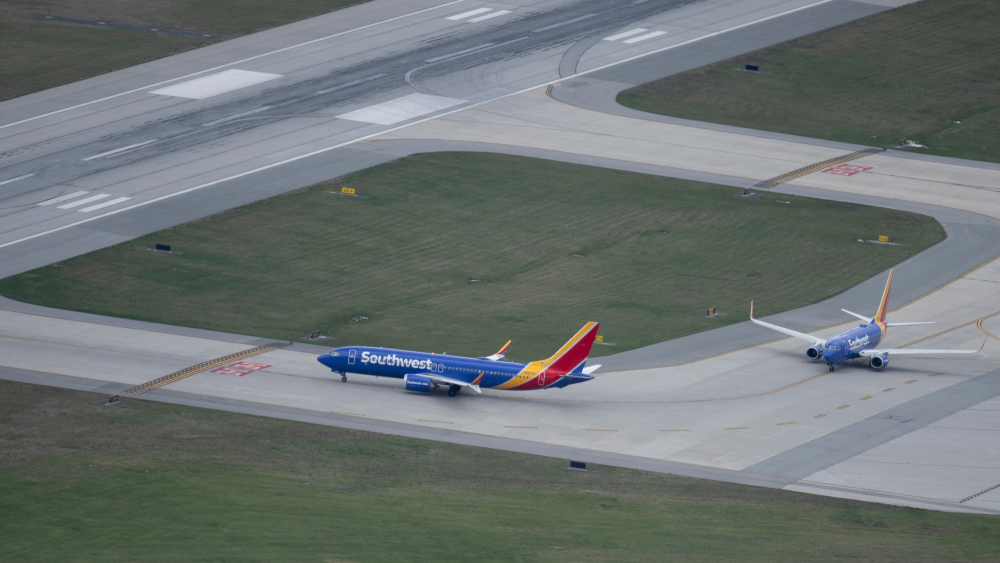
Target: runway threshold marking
195,369
815,168
979,493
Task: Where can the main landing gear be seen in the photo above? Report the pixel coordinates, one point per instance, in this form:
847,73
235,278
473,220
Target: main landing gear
453,390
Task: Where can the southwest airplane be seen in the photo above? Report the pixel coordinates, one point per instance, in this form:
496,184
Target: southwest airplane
422,372
860,342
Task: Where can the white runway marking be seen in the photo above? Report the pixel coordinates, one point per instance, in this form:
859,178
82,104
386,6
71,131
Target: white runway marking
232,117
104,204
351,83
241,61
567,22
215,84
645,37
380,133
490,16
118,150
83,201
18,179
625,34
457,53
62,198
401,109
468,14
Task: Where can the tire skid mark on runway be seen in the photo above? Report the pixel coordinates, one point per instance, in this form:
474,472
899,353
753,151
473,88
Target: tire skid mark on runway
392,129
269,53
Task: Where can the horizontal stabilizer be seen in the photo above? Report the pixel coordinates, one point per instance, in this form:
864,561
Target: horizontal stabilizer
578,376
862,317
910,324
591,369
914,352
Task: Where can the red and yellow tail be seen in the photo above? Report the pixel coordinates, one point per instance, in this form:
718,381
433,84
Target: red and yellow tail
572,353
883,307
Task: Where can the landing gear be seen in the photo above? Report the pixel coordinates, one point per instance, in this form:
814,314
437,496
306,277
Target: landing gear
831,367
453,390
343,377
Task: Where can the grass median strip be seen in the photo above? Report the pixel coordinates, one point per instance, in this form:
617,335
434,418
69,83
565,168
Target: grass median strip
160,482
549,245
925,71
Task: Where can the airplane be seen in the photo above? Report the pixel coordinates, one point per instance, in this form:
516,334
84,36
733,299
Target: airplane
860,342
422,372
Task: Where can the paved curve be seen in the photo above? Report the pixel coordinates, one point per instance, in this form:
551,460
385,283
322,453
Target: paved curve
690,428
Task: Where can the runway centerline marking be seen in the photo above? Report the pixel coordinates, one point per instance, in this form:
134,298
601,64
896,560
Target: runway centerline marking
104,204
625,34
238,115
378,133
62,198
490,16
644,37
18,179
241,61
118,150
83,201
468,14
567,22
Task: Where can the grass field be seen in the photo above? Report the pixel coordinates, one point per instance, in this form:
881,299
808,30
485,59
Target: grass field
42,54
157,482
557,245
906,73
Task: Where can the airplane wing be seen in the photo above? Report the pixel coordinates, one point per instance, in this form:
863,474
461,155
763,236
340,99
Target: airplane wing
444,380
499,355
788,331
915,352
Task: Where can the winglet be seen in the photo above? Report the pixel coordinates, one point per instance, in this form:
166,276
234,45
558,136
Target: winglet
504,349
751,309
500,353
883,306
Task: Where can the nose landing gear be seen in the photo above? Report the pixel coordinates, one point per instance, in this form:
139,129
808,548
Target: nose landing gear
831,367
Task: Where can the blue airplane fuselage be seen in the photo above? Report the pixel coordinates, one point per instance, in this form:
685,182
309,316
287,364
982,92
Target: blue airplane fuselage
387,362
848,344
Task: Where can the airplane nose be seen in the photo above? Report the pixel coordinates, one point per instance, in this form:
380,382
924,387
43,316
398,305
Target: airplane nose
326,360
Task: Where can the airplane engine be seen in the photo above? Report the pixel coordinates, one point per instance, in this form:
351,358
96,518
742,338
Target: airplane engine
878,362
814,353
417,383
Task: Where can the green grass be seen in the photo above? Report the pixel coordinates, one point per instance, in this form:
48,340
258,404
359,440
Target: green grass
158,482
43,54
905,73
652,250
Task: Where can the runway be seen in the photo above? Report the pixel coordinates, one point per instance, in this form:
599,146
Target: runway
734,405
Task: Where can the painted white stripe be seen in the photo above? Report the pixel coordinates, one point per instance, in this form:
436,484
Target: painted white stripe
241,61
118,150
645,37
625,34
468,14
490,16
62,198
102,205
18,179
351,83
380,133
401,109
457,53
567,22
83,201
232,117
215,84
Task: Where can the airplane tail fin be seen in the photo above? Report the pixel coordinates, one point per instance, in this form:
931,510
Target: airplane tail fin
883,306
575,352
